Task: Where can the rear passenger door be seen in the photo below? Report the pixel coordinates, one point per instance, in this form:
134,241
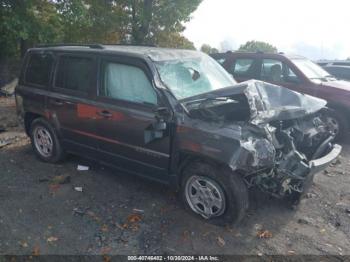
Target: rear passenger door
70,104
243,68
127,100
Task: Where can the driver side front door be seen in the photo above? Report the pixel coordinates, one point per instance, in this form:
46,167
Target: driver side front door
125,113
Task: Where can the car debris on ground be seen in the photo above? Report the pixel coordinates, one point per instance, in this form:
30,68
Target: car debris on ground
9,89
82,168
78,188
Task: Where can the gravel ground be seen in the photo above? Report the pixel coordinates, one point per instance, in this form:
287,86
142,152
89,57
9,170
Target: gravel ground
42,212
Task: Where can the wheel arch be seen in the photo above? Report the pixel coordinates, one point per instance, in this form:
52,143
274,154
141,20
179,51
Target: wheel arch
29,117
187,157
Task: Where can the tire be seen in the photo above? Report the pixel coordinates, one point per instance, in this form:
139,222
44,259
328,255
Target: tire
224,185
45,142
338,119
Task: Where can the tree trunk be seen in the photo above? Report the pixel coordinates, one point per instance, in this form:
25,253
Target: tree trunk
24,45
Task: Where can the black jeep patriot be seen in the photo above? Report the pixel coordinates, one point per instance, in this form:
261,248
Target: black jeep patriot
174,116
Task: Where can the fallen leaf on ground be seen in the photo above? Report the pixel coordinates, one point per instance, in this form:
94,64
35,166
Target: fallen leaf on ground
52,239
134,218
104,228
106,250
291,252
62,179
323,230
36,251
264,234
185,235
221,241
132,222
54,187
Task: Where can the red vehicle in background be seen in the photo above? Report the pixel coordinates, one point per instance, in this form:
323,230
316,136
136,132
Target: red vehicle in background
296,73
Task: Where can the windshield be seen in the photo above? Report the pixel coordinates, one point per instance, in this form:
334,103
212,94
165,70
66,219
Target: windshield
312,70
192,76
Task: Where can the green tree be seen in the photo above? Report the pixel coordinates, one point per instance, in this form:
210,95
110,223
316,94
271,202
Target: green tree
205,48
157,22
23,23
256,46
147,19
173,40
90,21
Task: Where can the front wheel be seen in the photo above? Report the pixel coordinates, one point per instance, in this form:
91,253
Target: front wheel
217,196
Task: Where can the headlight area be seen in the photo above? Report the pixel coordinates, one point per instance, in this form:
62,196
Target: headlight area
276,165
278,172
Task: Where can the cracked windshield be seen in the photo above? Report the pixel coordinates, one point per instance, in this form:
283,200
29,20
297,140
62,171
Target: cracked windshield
193,76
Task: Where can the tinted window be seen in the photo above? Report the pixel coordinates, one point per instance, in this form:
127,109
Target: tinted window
75,73
39,69
127,83
276,71
342,73
242,67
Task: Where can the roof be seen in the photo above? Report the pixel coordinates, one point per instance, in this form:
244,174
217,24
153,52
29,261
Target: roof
289,56
154,53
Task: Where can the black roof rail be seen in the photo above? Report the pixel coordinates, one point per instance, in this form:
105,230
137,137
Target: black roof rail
96,46
118,44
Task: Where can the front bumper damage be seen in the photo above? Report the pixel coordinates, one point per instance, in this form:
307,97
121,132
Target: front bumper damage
319,164
292,175
281,144
285,161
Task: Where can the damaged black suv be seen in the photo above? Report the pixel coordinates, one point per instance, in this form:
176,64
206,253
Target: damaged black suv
177,117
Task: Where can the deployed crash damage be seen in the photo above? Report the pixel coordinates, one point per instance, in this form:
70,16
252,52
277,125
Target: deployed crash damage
278,137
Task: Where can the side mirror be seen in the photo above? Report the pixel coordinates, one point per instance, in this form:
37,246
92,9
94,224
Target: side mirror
158,129
162,113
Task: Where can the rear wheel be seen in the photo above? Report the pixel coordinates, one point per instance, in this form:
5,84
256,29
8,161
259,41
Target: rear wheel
215,195
45,142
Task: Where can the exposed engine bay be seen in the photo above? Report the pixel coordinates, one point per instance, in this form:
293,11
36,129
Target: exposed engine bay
295,144
282,133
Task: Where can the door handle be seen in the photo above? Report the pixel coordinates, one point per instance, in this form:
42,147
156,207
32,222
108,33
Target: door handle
57,102
105,114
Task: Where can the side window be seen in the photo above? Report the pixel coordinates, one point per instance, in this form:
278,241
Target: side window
75,73
126,83
242,67
39,69
276,71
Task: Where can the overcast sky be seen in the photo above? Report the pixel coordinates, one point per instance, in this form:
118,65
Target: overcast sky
315,29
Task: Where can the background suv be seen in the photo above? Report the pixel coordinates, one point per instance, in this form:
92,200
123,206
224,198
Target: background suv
296,73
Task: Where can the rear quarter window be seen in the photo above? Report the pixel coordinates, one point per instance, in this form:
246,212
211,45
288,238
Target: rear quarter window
38,69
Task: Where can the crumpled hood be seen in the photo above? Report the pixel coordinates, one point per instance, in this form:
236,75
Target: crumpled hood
339,84
269,102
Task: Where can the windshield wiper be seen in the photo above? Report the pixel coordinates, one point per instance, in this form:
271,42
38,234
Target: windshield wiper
204,101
